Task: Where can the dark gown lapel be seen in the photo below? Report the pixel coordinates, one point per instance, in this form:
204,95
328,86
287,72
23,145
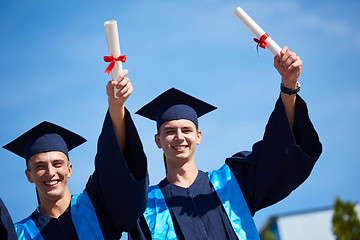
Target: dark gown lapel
196,211
55,228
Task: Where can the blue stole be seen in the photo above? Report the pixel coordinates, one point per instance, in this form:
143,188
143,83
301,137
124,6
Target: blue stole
26,229
158,218
82,214
157,212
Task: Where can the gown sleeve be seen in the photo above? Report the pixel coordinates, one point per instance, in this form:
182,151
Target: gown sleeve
280,162
7,229
119,185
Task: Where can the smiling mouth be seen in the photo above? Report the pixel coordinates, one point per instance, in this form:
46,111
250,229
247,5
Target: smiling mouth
52,183
180,147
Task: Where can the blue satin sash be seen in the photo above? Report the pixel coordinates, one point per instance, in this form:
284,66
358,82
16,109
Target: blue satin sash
83,216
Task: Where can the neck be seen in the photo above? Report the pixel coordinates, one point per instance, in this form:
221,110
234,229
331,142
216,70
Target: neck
54,208
182,175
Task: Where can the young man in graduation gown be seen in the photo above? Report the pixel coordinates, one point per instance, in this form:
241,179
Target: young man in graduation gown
7,230
115,194
192,204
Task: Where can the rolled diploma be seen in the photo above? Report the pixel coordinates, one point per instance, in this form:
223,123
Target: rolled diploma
256,29
112,37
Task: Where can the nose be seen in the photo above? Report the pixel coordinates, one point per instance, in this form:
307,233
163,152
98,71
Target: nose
179,135
50,170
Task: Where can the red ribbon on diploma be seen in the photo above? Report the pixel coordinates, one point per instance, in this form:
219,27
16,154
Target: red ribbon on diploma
262,42
112,61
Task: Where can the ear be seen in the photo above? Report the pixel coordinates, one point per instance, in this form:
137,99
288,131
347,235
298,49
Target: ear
158,141
199,137
70,170
28,175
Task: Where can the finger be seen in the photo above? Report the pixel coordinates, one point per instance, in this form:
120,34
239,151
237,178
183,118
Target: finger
110,88
284,57
277,57
114,83
111,83
123,73
122,83
290,60
277,60
125,92
284,50
295,65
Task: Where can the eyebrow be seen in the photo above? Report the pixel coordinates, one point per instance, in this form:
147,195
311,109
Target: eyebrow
39,162
169,128
172,128
52,161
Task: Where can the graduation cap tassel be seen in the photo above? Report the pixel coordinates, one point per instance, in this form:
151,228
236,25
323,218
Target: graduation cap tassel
37,196
165,163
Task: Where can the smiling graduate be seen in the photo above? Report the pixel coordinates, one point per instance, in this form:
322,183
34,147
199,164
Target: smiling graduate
191,204
115,194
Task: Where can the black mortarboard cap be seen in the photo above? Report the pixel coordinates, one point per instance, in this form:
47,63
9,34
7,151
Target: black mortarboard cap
44,137
174,104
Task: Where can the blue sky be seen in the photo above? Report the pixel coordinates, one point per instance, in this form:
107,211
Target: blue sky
52,69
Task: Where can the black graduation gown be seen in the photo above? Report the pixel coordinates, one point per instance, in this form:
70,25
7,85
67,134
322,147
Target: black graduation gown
117,188
7,230
275,167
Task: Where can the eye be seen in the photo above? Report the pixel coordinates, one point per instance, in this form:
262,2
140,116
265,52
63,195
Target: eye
40,167
169,132
187,131
58,164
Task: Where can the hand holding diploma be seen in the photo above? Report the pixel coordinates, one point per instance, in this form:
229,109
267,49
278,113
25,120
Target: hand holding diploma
123,89
289,65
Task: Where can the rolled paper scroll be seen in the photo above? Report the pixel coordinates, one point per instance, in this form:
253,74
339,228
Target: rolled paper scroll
112,37
263,39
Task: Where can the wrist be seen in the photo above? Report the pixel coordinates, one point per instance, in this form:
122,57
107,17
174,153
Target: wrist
290,90
289,83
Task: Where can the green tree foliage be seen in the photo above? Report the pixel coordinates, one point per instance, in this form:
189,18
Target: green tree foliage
345,222
267,235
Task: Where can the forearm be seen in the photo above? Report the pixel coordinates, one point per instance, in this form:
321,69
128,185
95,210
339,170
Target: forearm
117,114
289,106
289,66
116,105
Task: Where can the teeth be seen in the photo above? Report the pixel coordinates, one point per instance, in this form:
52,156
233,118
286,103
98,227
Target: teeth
51,183
180,147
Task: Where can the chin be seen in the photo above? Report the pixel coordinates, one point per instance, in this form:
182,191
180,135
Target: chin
54,195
